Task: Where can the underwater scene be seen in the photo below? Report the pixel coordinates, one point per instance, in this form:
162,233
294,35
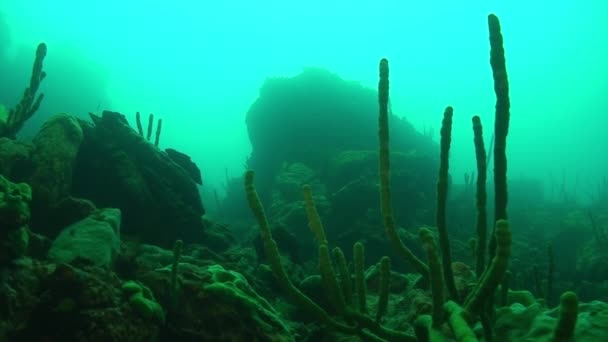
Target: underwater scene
304,171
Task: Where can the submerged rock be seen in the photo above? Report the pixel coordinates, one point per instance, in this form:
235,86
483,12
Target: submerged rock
95,238
117,167
56,147
61,302
531,323
14,219
16,159
216,304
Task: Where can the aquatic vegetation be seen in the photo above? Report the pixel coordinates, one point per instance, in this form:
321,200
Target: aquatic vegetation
159,127
71,271
352,316
30,102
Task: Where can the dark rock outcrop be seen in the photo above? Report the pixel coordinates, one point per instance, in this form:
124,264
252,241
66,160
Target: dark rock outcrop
311,117
185,162
116,167
55,149
16,159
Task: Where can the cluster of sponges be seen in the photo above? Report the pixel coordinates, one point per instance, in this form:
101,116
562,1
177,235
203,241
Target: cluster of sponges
349,303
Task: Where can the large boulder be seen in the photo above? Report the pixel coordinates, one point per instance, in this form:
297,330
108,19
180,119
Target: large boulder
95,238
311,117
116,167
56,147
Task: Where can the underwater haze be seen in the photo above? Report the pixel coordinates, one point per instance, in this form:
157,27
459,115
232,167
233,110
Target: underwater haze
298,141
199,66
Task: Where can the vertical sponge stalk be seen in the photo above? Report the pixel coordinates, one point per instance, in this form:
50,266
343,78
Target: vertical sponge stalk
568,312
270,247
385,283
314,220
442,198
330,280
360,288
345,277
493,276
501,123
385,189
274,258
436,275
480,197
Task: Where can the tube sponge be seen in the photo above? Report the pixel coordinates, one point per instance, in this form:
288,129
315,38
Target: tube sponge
501,121
495,272
568,311
385,178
